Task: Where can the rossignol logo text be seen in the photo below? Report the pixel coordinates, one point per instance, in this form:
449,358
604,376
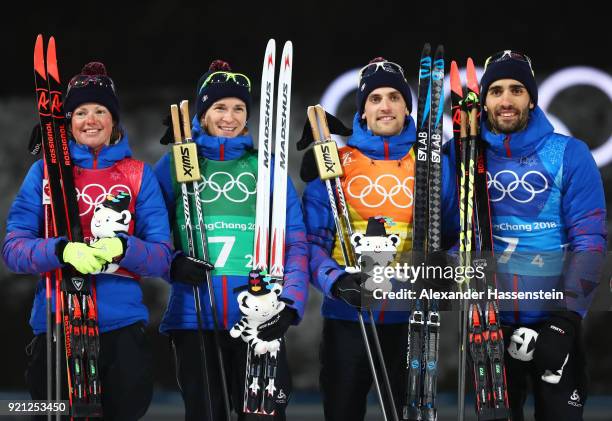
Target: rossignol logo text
51,142
64,140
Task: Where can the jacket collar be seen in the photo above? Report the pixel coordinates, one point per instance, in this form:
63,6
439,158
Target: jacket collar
379,147
84,157
219,148
521,143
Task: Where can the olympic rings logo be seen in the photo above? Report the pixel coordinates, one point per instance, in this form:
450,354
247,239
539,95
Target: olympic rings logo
228,187
94,194
512,188
399,188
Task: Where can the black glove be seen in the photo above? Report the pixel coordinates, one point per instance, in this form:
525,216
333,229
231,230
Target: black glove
335,127
168,136
276,327
189,270
35,144
348,288
555,341
309,170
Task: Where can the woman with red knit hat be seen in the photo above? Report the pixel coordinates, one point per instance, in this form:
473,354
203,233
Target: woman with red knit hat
228,163
126,236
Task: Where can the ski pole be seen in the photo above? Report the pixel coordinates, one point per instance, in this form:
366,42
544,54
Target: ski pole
328,162
203,241
189,151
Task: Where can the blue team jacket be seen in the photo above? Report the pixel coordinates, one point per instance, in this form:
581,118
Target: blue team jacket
320,224
547,202
180,313
119,299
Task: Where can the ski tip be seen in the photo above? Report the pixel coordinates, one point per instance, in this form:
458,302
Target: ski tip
52,60
426,49
455,79
472,79
439,50
39,57
270,56
287,55
270,48
470,63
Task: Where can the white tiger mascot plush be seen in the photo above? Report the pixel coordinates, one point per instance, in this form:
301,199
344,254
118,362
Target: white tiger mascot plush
375,248
258,304
110,217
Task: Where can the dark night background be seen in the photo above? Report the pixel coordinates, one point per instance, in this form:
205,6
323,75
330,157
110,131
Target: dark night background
155,51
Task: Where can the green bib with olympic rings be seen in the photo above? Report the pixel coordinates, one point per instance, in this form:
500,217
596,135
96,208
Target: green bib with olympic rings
228,195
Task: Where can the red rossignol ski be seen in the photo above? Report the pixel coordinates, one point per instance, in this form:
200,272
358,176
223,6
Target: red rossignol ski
76,309
484,335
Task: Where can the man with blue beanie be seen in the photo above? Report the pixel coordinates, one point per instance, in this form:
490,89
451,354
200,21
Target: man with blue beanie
549,226
379,167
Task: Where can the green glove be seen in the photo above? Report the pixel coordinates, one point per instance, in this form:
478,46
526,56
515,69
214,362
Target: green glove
109,248
82,257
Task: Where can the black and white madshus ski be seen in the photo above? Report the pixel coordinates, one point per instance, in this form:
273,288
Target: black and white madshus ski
75,307
484,336
424,327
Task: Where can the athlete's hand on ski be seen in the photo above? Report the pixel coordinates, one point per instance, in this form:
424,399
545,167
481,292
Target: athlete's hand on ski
276,327
189,270
349,288
111,249
81,256
556,340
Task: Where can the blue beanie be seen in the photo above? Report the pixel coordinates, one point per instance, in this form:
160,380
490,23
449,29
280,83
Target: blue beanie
382,77
207,95
509,64
92,85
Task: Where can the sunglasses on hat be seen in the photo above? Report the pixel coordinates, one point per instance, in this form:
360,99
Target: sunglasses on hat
80,81
508,55
224,77
387,66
